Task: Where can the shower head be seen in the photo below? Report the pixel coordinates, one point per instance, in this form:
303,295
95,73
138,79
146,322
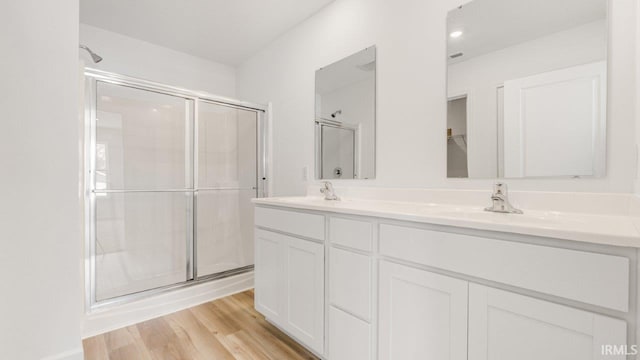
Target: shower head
339,112
95,57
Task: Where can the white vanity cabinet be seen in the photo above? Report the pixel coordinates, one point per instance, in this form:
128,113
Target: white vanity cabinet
422,315
269,274
304,291
289,281
504,326
405,290
350,289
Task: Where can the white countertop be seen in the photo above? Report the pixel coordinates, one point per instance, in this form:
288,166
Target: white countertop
617,230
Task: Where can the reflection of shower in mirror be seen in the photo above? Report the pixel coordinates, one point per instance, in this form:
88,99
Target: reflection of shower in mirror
345,115
369,66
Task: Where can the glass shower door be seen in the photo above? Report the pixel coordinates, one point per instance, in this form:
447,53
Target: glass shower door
169,179
338,152
226,182
142,190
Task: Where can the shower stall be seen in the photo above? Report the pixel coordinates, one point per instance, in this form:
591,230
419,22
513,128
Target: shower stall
169,177
337,153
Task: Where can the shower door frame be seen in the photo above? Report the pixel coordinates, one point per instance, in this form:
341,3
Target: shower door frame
92,77
319,124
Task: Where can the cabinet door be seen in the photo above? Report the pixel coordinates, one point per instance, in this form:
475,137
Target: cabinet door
422,315
304,269
349,337
507,326
269,274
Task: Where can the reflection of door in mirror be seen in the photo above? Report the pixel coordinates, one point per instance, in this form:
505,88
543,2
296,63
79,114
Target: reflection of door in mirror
536,86
338,152
457,138
554,122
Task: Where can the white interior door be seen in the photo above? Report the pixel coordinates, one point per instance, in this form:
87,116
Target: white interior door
555,123
422,315
507,326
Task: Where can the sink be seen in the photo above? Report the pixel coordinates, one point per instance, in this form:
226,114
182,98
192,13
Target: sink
533,218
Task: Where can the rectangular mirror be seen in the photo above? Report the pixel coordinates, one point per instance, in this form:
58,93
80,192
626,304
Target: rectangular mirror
345,118
527,89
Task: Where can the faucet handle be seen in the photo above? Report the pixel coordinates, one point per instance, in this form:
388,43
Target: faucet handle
327,190
326,186
500,200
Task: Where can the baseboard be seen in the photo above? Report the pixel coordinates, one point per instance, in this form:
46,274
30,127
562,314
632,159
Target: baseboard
119,316
75,354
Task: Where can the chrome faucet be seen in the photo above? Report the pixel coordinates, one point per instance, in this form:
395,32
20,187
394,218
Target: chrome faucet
329,193
500,200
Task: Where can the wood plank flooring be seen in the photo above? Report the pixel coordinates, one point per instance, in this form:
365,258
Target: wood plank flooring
228,328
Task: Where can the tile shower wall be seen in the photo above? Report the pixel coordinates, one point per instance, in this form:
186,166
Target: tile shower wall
411,40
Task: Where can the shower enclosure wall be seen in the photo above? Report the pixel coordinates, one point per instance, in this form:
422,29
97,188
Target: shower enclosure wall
170,174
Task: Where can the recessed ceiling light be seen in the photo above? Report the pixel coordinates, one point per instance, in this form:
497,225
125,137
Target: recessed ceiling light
456,34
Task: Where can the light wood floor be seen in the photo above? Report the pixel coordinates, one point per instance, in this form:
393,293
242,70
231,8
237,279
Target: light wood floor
228,328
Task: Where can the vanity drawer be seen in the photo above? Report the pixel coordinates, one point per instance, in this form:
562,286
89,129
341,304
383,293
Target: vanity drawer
350,282
592,278
292,222
351,233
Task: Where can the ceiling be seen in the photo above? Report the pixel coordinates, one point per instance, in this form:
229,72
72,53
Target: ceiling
225,31
490,25
350,70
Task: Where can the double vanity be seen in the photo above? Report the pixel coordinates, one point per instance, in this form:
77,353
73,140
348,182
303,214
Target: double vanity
406,275
438,275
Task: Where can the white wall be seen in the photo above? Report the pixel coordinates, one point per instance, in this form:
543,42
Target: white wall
40,217
128,56
411,40
480,76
